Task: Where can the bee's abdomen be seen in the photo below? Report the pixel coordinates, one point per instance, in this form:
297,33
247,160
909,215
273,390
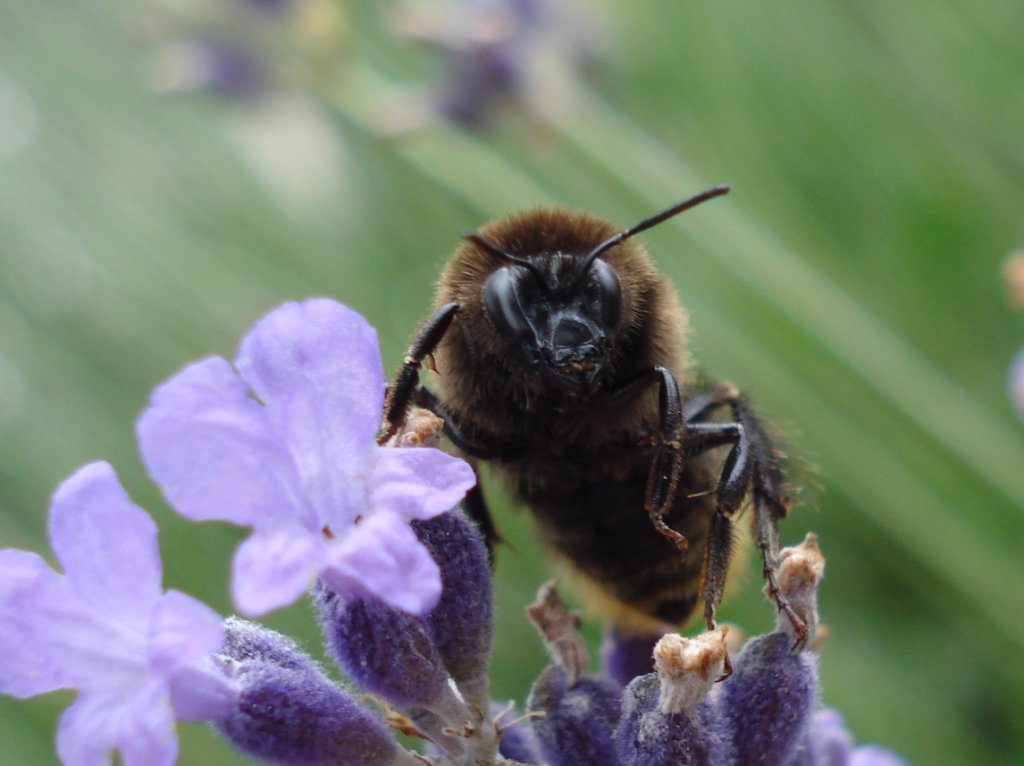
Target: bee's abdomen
601,527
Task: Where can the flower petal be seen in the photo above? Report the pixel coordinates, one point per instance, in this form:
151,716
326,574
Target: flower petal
83,734
382,557
26,581
106,544
141,728
419,482
54,638
183,630
317,368
200,691
317,359
274,569
211,449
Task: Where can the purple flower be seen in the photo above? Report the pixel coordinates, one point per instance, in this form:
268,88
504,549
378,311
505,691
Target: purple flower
138,656
526,53
1015,383
626,655
287,445
828,743
577,720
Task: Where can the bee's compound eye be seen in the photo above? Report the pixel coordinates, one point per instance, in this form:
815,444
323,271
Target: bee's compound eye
501,300
609,292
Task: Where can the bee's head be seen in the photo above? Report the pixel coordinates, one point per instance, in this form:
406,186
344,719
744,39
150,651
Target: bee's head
559,310
557,317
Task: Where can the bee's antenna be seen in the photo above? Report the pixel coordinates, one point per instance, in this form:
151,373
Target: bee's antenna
654,220
492,249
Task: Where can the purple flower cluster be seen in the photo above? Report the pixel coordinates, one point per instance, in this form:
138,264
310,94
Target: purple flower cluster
284,441
761,712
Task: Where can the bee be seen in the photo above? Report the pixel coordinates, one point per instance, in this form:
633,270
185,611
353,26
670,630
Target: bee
562,361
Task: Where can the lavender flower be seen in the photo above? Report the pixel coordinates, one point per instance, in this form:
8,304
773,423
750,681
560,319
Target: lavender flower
1015,383
188,65
138,656
527,53
828,743
287,446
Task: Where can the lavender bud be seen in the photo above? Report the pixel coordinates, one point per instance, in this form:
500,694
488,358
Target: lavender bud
461,624
625,656
518,742
827,742
390,654
288,711
579,720
385,651
297,717
767,702
667,719
246,641
769,698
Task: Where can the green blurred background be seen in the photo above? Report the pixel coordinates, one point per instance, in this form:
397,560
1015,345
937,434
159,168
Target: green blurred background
851,282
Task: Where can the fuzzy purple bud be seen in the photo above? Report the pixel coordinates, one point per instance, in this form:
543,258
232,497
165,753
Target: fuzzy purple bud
625,656
246,641
299,717
828,743
461,624
768,700
650,737
579,720
385,651
390,654
667,717
519,743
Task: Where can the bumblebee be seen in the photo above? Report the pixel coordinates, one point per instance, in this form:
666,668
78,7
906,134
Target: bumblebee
562,361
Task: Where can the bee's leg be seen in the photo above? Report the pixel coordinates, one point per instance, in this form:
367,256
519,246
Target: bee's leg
668,460
731,489
752,462
407,379
771,503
